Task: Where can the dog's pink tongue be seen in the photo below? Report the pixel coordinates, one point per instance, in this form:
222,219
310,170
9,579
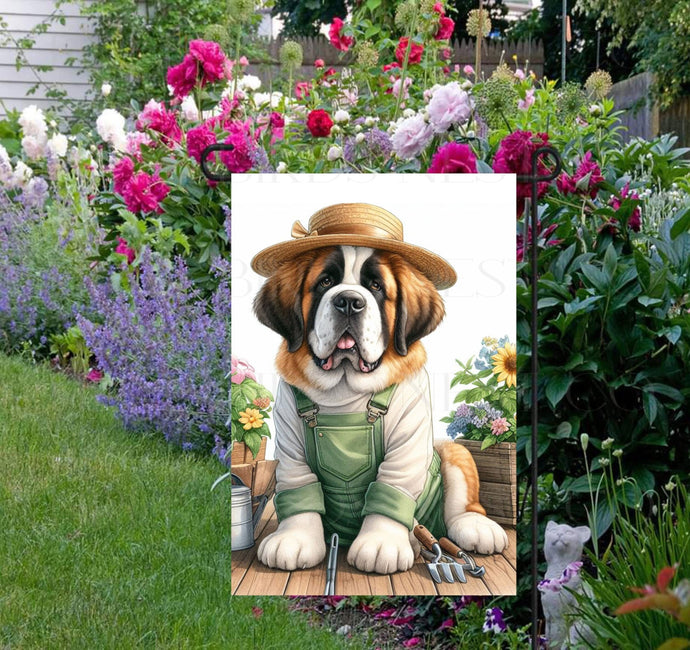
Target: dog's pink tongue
362,366
346,342
329,363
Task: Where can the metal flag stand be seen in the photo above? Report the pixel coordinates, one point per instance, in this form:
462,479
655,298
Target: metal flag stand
534,178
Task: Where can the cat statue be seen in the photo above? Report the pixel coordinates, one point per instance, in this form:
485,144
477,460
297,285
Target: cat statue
563,551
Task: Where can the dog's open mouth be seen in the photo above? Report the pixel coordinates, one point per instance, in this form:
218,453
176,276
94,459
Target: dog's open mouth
347,346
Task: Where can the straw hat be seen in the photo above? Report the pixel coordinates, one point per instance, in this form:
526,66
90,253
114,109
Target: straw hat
354,224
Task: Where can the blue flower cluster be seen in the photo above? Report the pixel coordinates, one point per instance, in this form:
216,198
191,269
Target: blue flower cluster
476,415
489,347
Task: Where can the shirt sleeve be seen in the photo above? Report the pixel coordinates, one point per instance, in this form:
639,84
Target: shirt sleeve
408,451
297,487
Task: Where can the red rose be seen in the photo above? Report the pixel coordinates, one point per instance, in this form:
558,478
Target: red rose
445,28
319,123
338,40
514,156
453,158
416,51
329,73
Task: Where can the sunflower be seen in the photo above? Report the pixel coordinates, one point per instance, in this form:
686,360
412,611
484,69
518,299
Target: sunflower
251,419
505,363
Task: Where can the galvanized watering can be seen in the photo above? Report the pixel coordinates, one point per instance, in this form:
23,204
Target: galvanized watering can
243,523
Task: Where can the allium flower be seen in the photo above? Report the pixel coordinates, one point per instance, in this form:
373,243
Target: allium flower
204,63
411,136
111,127
373,146
598,84
416,51
337,38
445,28
499,426
57,145
478,23
157,118
319,123
494,621
144,193
448,106
514,156
198,139
33,122
123,248
241,10
189,109
366,54
570,100
453,158
239,160
497,101
291,55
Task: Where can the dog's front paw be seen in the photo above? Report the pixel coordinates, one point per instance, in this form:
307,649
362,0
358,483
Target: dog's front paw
297,544
383,546
474,532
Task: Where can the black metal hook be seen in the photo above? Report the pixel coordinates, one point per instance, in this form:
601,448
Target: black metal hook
204,156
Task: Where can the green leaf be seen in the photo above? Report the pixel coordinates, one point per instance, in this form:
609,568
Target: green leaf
563,430
682,222
646,301
488,442
597,278
610,261
676,643
561,264
556,388
663,389
604,517
650,406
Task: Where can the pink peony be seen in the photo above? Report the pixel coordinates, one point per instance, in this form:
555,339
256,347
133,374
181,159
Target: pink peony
438,8
525,103
411,136
453,158
134,141
319,63
123,248
239,160
514,156
94,375
277,127
635,220
338,39
144,193
416,51
302,89
449,105
499,426
122,174
468,70
390,66
198,139
586,179
445,28
204,63
240,370
244,61
157,118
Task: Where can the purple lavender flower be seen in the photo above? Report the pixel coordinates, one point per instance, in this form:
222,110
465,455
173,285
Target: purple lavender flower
480,413
376,144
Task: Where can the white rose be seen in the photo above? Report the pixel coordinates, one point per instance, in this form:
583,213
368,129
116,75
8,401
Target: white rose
110,124
106,89
281,167
341,116
249,82
189,109
33,122
334,153
57,145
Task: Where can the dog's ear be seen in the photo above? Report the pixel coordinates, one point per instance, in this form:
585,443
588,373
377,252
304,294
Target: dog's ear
278,304
419,307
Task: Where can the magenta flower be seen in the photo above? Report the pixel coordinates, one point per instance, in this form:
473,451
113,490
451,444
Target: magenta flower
122,174
586,179
413,642
198,139
445,28
157,118
123,248
238,160
337,38
94,375
204,63
144,193
448,623
240,370
635,221
453,158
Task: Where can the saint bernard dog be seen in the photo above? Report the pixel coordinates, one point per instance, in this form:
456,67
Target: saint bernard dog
354,436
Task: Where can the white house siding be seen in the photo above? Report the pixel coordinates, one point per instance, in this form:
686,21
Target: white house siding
52,48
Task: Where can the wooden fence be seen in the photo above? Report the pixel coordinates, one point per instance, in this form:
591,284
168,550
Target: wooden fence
462,54
643,117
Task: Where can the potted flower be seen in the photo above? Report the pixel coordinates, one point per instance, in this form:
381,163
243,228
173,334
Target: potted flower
250,406
484,422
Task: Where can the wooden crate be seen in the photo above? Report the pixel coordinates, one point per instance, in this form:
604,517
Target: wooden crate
497,470
257,473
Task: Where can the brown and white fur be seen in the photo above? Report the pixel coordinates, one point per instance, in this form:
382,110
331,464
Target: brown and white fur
361,343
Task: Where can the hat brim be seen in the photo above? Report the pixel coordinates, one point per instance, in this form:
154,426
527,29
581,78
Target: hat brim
434,267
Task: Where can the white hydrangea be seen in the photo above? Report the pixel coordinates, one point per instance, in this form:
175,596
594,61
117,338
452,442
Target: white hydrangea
111,127
34,147
189,109
341,116
334,153
57,145
33,122
249,82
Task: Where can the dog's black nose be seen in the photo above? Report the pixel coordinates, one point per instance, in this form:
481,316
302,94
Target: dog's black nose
349,302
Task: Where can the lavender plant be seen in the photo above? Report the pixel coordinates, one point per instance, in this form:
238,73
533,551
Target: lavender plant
167,352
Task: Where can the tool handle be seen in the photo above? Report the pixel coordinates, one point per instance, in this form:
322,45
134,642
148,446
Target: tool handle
424,535
449,547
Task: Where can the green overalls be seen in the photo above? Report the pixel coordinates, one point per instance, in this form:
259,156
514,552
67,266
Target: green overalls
345,451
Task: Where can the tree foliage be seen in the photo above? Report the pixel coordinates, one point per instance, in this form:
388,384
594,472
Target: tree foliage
304,18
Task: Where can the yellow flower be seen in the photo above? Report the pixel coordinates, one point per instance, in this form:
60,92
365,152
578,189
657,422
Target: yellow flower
505,364
251,419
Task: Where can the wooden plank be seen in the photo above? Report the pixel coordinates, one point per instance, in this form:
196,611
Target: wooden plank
73,24
260,580
242,560
500,577
510,554
500,501
495,464
350,581
473,587
417,581
307,582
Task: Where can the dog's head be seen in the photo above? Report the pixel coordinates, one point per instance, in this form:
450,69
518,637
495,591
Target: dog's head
349,312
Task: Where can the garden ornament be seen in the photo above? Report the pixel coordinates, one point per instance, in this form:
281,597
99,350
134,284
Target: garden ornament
563,551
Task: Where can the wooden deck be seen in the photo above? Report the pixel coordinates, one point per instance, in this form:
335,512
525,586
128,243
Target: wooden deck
250,577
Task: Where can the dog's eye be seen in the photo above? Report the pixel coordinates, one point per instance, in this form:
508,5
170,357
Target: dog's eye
375,286
326,282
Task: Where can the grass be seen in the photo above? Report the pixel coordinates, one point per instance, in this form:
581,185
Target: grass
110,540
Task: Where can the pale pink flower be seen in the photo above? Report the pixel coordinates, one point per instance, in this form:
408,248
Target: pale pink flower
468,70
525,103
240,370
411,137
449,105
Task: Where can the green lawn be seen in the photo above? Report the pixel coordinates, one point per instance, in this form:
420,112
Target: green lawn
108,540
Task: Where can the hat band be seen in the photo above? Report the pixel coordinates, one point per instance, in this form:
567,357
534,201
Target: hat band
299,231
